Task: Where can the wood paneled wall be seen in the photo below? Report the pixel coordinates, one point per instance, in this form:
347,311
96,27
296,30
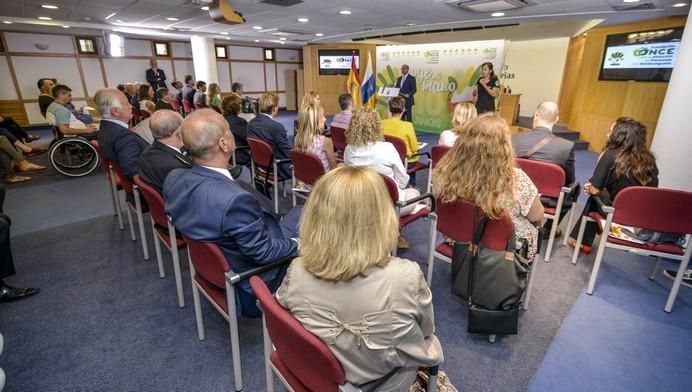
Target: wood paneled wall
589,105
331,86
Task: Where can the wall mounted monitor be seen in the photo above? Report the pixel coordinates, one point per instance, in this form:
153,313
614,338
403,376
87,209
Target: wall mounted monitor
336,62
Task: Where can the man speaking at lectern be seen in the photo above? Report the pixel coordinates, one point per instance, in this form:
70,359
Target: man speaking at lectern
407,88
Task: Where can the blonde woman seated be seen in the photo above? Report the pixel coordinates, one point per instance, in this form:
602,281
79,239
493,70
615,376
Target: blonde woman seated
311,98
309,136
146,98
366,147
374,311
463,113
214,95
481,168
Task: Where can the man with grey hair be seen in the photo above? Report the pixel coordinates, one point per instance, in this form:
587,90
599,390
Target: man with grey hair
117,142
542,145
207,204
164,154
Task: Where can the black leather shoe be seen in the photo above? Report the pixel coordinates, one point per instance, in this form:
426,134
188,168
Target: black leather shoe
9,293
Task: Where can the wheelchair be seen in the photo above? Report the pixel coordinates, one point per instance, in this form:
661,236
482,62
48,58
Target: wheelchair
72,156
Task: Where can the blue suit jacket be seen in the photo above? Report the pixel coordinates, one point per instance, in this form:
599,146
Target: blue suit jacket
267,129
207,206
409,87
122,146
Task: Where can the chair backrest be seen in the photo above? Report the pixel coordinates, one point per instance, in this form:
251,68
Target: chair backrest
392,188
657,209
186,107
437,152
456,221
199,105
208,261
154,201
261,152
548,177
306,356
145,114
136,114
176,105
307,167
124,181
399,144
338,138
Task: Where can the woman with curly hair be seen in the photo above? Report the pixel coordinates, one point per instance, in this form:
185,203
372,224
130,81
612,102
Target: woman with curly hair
481,169
309,137
463,113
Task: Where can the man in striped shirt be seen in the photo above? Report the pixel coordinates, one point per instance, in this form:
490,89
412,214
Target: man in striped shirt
343,118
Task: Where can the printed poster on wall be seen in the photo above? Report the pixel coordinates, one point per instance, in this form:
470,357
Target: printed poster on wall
445,74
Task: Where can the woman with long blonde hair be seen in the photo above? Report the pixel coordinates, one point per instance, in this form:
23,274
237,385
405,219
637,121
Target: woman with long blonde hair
463,113
375,311
481,168
309,137
214,95
311,98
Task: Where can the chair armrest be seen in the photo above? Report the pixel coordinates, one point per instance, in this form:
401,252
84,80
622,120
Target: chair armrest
418,154
235,277
571,188
242,148
280,161
416,199
602,206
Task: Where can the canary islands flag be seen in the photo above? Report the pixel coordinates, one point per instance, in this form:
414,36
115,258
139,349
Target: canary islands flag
367,88
353,82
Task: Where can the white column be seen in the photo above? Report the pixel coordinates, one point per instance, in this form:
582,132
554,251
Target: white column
204,59
672,142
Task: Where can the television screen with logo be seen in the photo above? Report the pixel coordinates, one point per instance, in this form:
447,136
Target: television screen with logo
646,56
336,62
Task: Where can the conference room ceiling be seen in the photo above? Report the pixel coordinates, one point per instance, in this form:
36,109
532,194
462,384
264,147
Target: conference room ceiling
375,20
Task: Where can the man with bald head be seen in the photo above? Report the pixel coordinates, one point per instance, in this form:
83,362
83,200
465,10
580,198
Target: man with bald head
164,154
207,204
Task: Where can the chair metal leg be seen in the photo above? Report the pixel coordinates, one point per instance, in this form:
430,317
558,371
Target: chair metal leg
580,237
113,196
157,247
176,265
114,192
654,270
129,221
529,286
551,239
568,229
140,222
235,341
293,189
678,279
195,300
432,237
599,255
269,375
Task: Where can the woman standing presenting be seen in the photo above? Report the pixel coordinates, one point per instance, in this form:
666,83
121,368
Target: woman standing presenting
486,89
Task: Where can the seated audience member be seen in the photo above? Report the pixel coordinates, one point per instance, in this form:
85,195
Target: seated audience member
15,129
164,154
214,96
12,161
45,86
481,169
117,142
60,116
374,310
342,119
237,89
311,98
134,101
189,90
265,128
7,292
557,150
463,113
129,91
309,136
146,98
200,97
164,98
178,92
626,161
231,110
394,126
18,145
207,204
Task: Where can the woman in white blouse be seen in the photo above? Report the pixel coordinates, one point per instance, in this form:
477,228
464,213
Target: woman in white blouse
463,113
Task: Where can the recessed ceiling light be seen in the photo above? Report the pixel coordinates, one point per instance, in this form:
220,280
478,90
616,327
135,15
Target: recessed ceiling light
303,20
678,5
410,24
256,40
282,39
45,18
224,33
344,12
6,22
119,21
319,35
228,38
172,19
50,7
283,43
111,15
257,27
630,1
497,14
65,26
205,8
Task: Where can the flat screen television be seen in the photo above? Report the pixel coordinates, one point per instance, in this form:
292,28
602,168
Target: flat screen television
644,56
336,62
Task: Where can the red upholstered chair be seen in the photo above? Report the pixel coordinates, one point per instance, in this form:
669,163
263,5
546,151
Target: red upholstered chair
339,140
136,205
655,209
307,168
303,362
114,184
549,178
199,106
176,105
400,146
436,153
265,168
187,109
163,231
145,114
136,115
212,276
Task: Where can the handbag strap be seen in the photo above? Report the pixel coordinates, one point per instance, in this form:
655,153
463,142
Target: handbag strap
541,143
475,247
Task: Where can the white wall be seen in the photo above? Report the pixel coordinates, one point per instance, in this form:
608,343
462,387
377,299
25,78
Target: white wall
534,70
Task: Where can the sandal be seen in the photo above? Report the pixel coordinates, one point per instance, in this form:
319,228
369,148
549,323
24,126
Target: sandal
16,179
30,138
26,166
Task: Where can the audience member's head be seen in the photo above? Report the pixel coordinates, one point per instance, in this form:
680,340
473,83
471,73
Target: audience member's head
45,85
208,138
121,88
346,102
153,63
162,94
54,80
546,115
480,166
113,104
311,98
201,85
365,127
177,84
348,224
62,93
463,113
237,88
269,103
165,126
213,90
311,123
634,159
130,88
189,79
397,106
145,92
231,105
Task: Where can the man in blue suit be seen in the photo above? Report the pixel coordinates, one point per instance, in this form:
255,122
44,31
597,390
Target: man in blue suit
407,88
265,128
207,204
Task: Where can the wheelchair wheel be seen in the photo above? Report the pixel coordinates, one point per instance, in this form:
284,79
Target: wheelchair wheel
73,157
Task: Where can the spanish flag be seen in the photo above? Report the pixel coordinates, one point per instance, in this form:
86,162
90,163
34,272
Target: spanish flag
353,82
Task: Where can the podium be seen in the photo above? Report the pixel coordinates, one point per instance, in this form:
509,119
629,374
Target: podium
509,107
388,93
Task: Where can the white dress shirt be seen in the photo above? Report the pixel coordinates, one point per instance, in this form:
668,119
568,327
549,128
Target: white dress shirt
225,172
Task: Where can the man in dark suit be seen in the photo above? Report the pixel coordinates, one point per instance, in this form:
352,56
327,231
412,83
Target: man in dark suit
117,142
164,155
407,88
558,150
265,128
155,76
207,204
164,98
188,91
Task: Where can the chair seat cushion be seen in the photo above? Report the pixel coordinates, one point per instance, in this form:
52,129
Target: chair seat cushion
416,167
665,248
163,234
595,215
406,219
287,375
549,210
260,173
216,294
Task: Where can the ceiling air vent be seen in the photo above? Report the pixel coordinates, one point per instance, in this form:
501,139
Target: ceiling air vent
489,5
634,6
282,3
